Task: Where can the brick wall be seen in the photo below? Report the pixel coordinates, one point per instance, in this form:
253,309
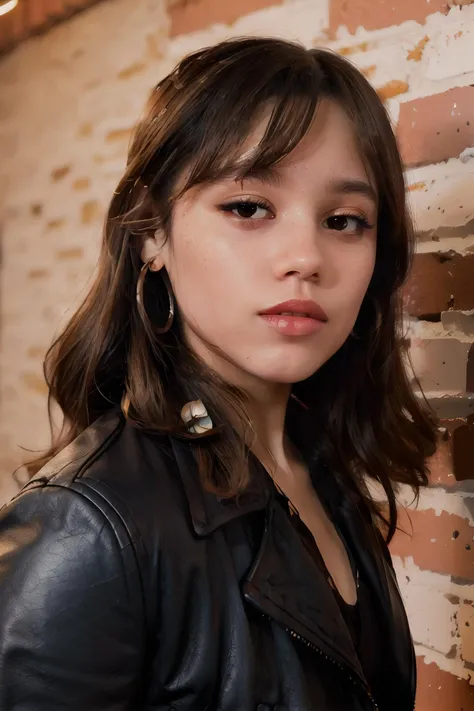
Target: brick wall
32,17
68,100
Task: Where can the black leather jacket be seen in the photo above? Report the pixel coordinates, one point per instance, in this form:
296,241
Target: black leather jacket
124,586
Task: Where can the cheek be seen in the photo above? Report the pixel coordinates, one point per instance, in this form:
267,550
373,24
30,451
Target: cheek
355,276
200,279
359,264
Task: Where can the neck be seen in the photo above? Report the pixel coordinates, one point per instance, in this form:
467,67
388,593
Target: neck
267,412
266,407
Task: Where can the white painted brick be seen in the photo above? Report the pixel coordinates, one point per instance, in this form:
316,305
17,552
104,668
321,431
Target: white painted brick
466,631
449,54
64,79
432,616
453,324
445,200
438,500
301,20
453,666
433,603
440,364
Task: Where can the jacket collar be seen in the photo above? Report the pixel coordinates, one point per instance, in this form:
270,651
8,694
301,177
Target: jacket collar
287,588
282,569
209,512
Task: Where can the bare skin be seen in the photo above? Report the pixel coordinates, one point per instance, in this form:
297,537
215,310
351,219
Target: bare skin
292,477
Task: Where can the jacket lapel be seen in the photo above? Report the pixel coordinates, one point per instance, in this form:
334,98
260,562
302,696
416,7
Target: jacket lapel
286,584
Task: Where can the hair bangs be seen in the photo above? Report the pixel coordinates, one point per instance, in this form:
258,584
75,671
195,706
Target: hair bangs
289,96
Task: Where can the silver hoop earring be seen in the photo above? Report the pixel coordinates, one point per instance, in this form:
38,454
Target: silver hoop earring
140,302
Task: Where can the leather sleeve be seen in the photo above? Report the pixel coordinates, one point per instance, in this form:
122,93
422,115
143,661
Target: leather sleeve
70,635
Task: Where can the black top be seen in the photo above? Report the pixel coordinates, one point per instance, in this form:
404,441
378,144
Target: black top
359,618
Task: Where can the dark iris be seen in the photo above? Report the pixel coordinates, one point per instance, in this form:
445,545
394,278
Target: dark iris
338,222
246,209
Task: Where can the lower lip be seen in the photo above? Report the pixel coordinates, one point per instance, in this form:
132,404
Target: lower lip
293,325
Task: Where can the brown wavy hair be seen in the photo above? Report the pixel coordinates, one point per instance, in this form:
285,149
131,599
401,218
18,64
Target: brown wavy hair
363,419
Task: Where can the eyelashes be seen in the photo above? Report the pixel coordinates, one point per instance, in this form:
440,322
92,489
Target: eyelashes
249,208
246,210
341,221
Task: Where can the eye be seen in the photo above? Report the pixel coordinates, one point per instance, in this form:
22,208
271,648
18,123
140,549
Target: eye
248,209
349,224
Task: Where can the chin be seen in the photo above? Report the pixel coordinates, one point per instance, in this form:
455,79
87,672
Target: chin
289,373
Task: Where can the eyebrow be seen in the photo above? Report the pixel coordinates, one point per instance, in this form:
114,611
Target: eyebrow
266,174
353,187
344,186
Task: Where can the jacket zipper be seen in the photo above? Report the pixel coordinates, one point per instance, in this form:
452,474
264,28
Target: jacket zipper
319,651
312,646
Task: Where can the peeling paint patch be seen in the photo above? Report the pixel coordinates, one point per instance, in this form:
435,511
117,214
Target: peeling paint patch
417,186
35,352
90,212
81,184
56,223
85,130
391,89
416,53
36,209
369,72
34,382
38,274
66,254
59,173
353,49
132,70
118,135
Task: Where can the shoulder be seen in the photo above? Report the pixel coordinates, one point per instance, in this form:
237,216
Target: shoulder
66,564
120,474
94,508
108,451
111,457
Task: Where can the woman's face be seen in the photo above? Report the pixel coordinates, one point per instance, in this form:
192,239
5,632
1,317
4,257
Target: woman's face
304,233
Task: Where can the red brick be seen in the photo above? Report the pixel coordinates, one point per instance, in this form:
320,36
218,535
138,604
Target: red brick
439,283
55,8
12,25
441,464
191,15
37,14
441,691
470,370
438,127
453,461
375,14
463,451
33,16
442,544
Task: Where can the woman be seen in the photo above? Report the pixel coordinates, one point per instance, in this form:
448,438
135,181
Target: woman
201,535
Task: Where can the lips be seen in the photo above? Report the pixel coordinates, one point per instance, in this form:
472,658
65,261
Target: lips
302,308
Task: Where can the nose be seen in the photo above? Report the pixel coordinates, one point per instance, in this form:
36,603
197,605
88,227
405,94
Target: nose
300,254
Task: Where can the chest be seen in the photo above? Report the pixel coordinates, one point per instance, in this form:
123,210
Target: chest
305,505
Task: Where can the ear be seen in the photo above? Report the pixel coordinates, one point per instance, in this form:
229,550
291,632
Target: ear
152,250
